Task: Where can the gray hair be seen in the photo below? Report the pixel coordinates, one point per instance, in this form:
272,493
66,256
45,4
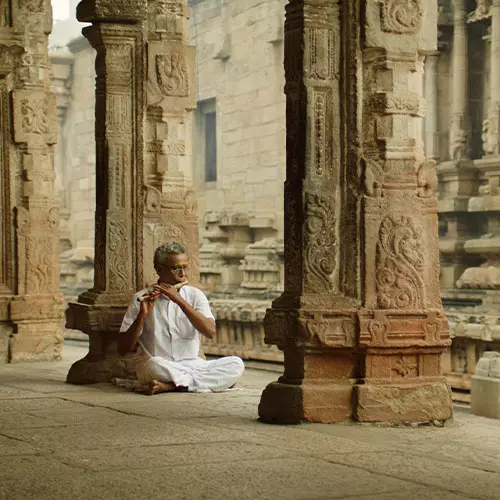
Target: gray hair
163,251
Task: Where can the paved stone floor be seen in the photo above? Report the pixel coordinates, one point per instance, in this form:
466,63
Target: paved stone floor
59,441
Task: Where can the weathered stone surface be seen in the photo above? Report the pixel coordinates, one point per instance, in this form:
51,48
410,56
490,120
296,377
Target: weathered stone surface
403,403
485,391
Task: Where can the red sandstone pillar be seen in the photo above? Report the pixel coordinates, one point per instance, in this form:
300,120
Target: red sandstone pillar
360,322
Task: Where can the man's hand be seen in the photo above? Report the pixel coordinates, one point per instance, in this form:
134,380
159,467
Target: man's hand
169,291
147,303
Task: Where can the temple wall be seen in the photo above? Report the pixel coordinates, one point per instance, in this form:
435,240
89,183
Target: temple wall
240,80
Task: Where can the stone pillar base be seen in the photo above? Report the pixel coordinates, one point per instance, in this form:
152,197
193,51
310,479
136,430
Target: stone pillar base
399,403
91,371
329,402
318,401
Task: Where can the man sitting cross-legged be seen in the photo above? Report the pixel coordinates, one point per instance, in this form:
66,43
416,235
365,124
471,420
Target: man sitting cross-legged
166,320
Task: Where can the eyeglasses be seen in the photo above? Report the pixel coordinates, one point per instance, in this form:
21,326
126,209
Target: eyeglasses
176,269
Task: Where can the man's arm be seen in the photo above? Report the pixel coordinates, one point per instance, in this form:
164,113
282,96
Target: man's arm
127,339
206,326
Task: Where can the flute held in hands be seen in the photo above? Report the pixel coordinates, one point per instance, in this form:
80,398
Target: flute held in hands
153,293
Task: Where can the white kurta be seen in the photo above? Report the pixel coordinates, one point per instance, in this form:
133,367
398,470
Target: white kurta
169,345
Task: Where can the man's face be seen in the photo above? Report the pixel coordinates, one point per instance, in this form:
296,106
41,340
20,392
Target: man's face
173,269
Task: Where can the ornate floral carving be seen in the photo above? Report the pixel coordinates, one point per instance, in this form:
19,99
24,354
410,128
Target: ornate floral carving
405,366
118,256
35,116
401,16
400,262
172,74
320,243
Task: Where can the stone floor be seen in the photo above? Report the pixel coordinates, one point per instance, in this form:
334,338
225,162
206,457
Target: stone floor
100,442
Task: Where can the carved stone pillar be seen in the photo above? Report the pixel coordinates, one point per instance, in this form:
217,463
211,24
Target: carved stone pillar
117,34
30,302
360,322
143,170
459,140
431,116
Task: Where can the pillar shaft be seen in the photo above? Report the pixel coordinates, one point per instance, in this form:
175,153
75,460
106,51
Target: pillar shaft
30,302
360,322
459,148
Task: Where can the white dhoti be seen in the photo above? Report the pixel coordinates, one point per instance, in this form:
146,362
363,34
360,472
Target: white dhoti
198,375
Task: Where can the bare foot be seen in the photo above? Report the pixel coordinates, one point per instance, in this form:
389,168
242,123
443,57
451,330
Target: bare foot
156,387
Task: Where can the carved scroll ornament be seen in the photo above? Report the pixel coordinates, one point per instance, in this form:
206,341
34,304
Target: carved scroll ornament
400,263
320,240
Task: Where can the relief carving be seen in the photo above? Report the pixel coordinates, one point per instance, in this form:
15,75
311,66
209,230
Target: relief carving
168,7
119,58
119,114
118,256
334,332
405,366
320,127
118,8
35,116
172,74
427,180
320,243
400,264
489,135
458,139
401,16
292,229
32,6
379,329
321,55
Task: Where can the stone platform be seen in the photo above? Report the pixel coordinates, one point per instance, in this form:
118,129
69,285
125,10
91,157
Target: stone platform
59,441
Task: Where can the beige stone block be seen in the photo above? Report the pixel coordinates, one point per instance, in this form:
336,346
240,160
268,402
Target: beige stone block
485,396
423,402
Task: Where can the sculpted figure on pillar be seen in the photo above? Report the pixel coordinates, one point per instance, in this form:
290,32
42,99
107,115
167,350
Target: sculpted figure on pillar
360,322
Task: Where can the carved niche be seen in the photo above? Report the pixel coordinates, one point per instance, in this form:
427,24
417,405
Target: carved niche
401,16
400,264
172,74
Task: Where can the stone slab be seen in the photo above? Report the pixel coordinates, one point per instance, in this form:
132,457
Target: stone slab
425,471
